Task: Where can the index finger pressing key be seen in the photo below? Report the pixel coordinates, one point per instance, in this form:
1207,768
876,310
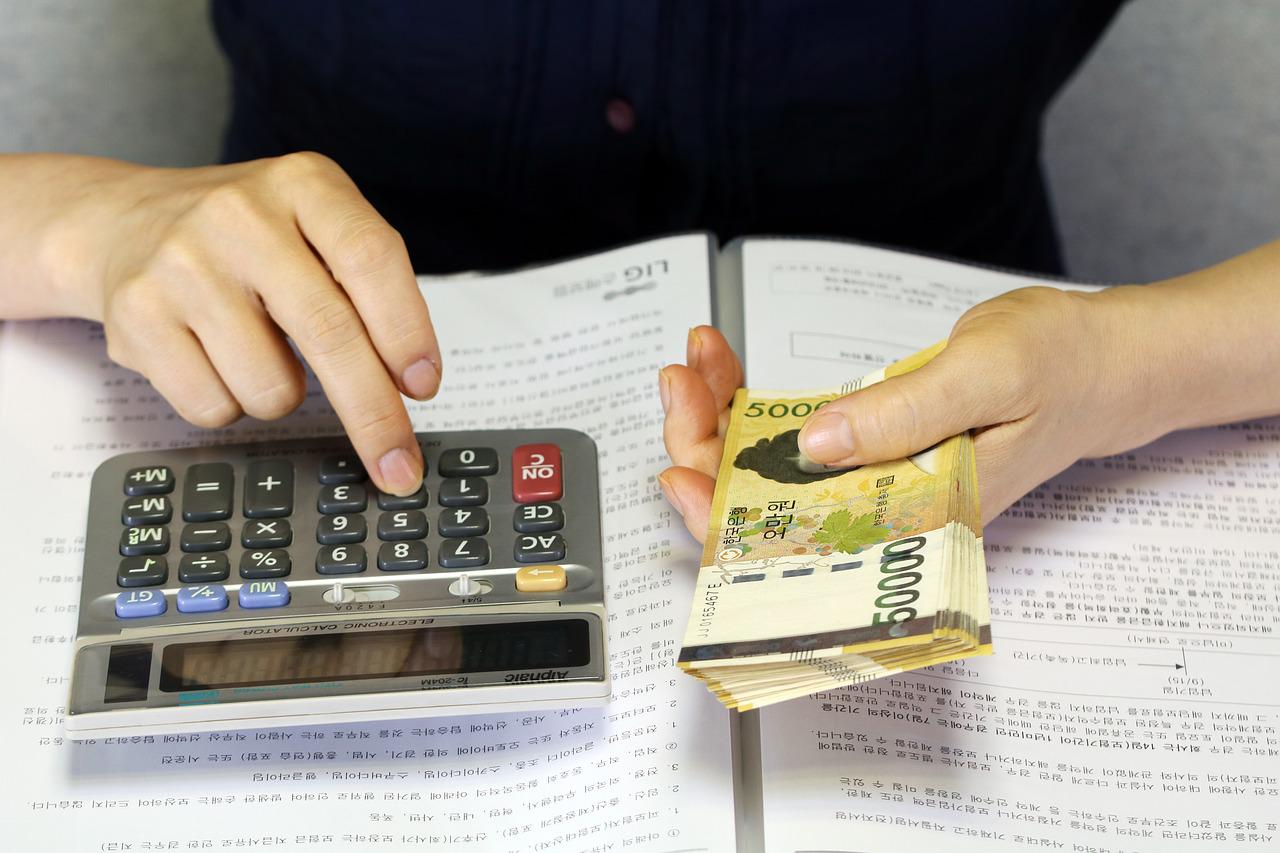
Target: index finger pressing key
329,333
367,258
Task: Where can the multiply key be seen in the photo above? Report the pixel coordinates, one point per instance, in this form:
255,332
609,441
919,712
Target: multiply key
206,496
266,533
268,489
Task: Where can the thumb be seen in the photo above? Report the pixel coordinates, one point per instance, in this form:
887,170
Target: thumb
964,387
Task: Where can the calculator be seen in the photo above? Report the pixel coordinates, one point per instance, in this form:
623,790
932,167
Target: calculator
271,584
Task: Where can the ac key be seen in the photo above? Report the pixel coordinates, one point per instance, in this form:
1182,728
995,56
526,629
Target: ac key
266,533
539,548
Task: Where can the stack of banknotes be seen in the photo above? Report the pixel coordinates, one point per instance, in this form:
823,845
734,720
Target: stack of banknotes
815,578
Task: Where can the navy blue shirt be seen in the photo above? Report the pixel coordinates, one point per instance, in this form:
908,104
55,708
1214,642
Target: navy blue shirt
494,133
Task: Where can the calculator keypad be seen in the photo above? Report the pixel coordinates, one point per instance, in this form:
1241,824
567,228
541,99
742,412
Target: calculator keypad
206,598
464,491
266,533
268,489
142,571
402,556
341,529
405,524
210,536
145,510
269,563
341,560
464,553
539,548
462,521
344,498
207,495
204,568
136,541
157,480
417,500
243,525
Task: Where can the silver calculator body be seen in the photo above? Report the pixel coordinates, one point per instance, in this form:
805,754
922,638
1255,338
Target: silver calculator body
222,617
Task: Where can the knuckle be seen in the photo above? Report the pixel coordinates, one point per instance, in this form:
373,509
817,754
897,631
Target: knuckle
138,301
369,246
303,164
274,399
234,202
211,412
331,328
378,422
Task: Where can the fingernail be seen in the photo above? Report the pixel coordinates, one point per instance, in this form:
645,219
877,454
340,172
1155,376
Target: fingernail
421,379
669,493
694,348
826,438
664,389
400,475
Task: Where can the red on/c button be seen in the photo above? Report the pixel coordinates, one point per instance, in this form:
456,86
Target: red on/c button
536,473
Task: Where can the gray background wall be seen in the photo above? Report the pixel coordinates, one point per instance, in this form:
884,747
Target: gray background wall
1163,153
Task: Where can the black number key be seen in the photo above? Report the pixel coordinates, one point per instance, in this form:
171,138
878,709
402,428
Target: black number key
142,571
464,522
341,560
266,533
346,468
146,510
540,548
155,480
463,553
136,541
268,489
268,563
538,518
341,529
464,491
473,461
408,556
204,568
210,536
207,493
346,497
406,524
417,500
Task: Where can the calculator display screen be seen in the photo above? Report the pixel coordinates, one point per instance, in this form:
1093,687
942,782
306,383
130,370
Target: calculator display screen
437,650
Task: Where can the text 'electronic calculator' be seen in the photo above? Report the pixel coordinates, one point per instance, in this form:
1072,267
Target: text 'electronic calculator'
271,584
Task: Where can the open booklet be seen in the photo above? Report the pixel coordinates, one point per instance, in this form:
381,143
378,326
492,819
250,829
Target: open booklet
1132,704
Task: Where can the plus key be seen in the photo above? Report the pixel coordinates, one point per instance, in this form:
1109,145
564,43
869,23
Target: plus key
268,489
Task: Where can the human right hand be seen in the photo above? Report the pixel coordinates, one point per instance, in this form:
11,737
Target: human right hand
1042,376
200,275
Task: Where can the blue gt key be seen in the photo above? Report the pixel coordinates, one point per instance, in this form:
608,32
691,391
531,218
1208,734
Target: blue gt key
140,602
202,599
264,594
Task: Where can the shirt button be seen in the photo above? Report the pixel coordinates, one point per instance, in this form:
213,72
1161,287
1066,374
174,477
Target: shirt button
620,115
